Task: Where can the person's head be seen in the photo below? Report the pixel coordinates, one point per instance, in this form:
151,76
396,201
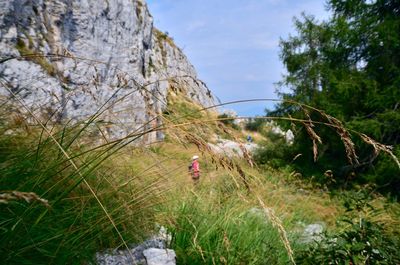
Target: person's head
195,158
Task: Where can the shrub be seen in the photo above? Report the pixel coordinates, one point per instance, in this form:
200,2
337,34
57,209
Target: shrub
359,240
228,120
255,124
275,152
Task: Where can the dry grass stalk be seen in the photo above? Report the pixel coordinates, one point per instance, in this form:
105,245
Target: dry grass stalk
247,155
296,156
74,165
314,137
226,241
378,147
29,197
242,176
276,222
197,246
345,137
335,124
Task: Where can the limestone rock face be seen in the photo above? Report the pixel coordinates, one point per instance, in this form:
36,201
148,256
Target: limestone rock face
231,148
69,59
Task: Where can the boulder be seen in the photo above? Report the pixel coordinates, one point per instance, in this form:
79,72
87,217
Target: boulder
312,233
151,252
156,256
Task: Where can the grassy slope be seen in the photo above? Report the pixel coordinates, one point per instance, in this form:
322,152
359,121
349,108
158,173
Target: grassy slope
222,191
219,221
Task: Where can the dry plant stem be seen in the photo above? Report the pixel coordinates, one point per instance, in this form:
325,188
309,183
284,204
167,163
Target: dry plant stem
348,143
269,213
7,196
314,137
77,170
197,246
332,122
340,130
379,147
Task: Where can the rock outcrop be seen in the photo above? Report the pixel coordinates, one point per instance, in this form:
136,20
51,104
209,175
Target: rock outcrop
312,233
69,59
231,148
153,251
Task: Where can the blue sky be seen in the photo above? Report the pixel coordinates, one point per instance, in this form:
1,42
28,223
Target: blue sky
234,44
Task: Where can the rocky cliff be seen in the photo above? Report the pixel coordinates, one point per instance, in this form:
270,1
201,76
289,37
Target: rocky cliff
69,59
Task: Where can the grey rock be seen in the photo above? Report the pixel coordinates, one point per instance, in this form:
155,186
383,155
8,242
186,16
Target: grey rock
135,255
231,148
312,233
257,212
302,191
261,214
97,55
155,256
288,135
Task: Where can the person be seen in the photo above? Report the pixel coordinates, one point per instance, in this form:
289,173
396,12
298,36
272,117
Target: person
195,169
249,138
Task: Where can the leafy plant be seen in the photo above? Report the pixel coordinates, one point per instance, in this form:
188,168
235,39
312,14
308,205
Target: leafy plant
359,240
350,57
275,152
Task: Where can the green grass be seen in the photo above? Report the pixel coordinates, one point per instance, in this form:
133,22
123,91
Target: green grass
206,232
75,225
113,194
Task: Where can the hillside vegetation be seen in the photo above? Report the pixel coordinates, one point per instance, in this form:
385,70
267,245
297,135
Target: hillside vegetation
330,196
65,197
348,66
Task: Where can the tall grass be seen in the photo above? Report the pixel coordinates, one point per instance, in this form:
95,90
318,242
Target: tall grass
87,208
64,197
206,232
221,222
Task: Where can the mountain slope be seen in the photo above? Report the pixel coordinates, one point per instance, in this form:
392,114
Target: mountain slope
73,58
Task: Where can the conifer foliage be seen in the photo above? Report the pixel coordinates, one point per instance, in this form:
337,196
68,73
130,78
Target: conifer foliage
349,66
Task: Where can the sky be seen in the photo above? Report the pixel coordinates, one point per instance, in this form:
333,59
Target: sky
234,44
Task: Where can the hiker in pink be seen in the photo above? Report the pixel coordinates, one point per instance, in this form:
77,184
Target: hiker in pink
195,169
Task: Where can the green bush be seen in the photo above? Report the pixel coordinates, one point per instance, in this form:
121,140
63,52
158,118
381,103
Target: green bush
255,124
358,239
385,174
228,120
364,242
275,152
